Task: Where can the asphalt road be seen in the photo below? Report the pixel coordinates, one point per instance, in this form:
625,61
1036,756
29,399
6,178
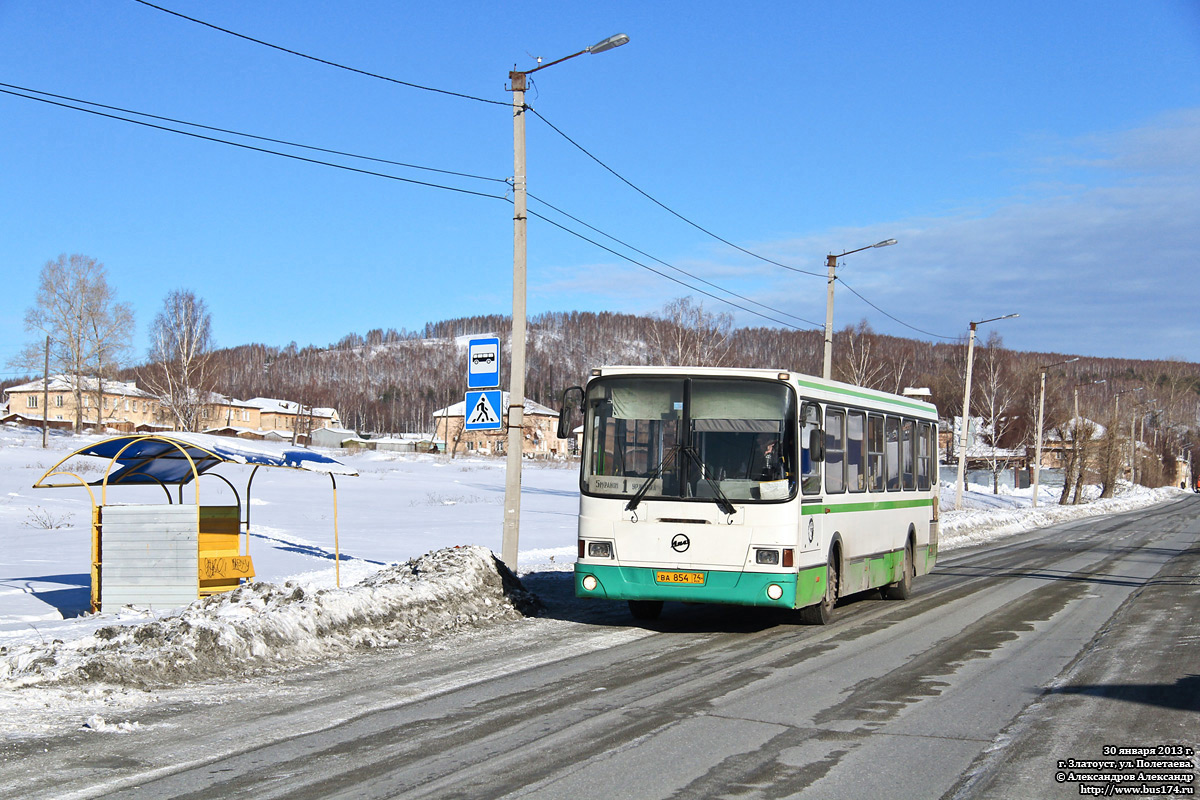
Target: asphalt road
1011,665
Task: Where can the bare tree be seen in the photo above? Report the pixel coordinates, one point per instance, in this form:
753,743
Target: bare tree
859,367
90,332
180,358
684,334
997,393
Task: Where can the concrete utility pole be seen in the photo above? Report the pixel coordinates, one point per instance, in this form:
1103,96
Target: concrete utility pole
966,414
46,398
516,390
831,263
1037,464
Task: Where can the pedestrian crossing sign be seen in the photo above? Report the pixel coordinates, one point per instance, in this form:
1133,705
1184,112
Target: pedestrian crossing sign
483,411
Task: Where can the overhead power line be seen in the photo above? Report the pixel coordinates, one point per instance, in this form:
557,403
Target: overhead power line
289,51
253,136
707,232
893,319
664,206
252,147
16,91
489,101
669,266
663,274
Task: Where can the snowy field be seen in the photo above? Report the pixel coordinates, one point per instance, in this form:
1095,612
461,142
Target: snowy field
402,578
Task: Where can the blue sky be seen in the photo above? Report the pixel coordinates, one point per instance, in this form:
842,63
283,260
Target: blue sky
1030,157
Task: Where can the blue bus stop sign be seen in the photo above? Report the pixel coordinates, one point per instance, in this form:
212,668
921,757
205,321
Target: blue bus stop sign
483,363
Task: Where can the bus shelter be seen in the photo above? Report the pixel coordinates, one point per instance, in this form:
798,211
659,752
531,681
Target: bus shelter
168,554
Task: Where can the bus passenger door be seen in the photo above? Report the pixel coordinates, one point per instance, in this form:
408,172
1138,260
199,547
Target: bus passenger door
812,454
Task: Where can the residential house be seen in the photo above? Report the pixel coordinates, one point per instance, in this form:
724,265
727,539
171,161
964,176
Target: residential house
540,439
108,403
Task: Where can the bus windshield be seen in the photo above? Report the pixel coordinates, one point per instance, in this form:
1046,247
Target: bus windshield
690,438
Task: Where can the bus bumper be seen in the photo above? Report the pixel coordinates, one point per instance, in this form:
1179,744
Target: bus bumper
735,588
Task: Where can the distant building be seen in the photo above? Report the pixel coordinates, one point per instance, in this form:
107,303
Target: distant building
101,403
122,406
540,439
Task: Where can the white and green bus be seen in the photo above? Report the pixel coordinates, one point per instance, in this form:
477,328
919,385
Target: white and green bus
751,487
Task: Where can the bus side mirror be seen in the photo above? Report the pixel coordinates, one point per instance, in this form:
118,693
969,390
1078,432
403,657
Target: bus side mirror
816,444
564,413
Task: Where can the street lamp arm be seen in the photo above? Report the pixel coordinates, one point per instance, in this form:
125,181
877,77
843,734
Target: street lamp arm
884,243
598,47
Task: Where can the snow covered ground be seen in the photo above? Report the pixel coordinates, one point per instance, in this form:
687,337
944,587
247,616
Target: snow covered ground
417,534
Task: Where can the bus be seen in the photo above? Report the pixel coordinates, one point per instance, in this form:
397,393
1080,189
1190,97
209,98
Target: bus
751,487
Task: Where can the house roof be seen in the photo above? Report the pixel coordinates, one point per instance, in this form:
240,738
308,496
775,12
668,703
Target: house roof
272,405
64,383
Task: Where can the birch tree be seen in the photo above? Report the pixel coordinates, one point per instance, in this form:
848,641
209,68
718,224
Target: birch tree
180,358
684,334
90,332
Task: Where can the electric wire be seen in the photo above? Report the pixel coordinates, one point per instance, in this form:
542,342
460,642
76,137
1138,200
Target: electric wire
669,266
663,206
893,319
257,149
529,108
410,181
258,138
707,232
322,60
634,261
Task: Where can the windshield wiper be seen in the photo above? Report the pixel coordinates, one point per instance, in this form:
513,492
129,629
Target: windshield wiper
641,493
718,496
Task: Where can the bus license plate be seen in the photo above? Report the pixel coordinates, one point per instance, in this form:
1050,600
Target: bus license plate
695,578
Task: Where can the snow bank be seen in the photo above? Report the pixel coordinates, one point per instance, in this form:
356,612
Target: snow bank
263,625
987,522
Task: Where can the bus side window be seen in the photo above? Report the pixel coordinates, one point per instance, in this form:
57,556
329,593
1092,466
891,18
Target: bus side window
835,451
810,468
855,451
908,441
875,453
892,453
923,462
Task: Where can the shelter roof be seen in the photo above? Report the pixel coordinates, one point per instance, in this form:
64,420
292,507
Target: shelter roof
159,458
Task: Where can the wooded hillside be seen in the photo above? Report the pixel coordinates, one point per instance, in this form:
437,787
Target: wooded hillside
393,381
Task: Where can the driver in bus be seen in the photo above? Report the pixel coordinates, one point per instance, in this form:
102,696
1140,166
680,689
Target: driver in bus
768,460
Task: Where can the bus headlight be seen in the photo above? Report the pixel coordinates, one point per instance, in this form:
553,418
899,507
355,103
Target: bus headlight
590,583
599,550
774,591
770,557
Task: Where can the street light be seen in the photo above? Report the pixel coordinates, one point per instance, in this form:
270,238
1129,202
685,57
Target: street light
516,391
831,262
962,439
1037,464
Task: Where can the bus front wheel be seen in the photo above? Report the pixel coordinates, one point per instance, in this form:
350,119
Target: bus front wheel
822,612
645,609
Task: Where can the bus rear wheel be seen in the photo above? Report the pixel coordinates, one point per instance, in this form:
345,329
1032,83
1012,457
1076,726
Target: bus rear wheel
822,612
902,589
645,609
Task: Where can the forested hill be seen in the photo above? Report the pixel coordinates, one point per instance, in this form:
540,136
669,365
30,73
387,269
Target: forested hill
393,381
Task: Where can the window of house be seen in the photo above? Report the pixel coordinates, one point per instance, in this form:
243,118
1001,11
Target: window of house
58,400
31,401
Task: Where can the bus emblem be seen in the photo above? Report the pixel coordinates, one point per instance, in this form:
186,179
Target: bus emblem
680,542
